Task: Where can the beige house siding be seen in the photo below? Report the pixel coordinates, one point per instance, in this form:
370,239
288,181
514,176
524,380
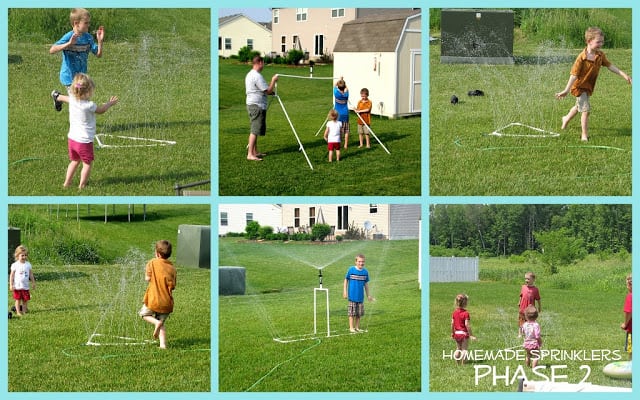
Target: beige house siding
319,21
239,29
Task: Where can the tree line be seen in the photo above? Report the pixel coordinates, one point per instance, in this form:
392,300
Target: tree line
512,229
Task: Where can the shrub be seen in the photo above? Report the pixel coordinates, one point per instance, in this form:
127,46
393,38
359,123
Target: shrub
294,56
245,54
320,231
339,238
354,233
251,230
265,231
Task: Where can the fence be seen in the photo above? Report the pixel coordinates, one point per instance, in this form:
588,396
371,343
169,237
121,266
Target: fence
454,269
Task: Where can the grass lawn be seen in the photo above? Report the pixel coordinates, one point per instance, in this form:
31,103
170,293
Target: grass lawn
465,160
162,78
581,311
285,171
280,278
70,303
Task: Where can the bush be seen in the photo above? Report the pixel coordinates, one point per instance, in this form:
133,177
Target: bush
354,233
245,54
320,231
294,56
265,231
339,238
252,230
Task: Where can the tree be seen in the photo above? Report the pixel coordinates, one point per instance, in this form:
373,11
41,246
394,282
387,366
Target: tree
559,249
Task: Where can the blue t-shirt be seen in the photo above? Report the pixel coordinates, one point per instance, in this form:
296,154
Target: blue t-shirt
75,58
341,104
357,278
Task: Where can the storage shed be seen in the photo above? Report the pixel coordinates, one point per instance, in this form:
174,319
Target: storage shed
383,53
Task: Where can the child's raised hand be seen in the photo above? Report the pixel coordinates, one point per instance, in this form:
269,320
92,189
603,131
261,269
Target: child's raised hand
114,100
473,337
100,33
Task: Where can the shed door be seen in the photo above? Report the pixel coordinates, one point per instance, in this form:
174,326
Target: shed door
416,81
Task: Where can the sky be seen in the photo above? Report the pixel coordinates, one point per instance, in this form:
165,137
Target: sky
256,14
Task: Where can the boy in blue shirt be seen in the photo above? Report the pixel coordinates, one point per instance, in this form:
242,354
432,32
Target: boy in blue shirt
356,284
76,46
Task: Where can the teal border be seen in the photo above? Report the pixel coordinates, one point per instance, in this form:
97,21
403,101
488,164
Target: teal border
214,200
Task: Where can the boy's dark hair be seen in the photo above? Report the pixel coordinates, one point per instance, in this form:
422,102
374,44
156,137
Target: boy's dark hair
365,91
163,248
257,60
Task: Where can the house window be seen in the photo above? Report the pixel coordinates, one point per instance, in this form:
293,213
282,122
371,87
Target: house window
312,216
337,12
227,43
248,218
296,42
296,217
250,44
319,45
219,42
283,44
301,14
276,16
373,208
224,219
343,217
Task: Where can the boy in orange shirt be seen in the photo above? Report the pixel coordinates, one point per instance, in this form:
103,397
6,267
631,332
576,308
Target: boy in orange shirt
583,77
363,109
158,298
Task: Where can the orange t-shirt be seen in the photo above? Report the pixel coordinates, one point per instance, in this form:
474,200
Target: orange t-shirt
158,296
363,105
587,72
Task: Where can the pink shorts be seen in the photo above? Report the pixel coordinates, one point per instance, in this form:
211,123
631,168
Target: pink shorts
21,295
80,151
333,146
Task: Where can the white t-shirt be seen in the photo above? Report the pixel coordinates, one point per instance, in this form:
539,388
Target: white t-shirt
21,275
334,131
82,120
255,86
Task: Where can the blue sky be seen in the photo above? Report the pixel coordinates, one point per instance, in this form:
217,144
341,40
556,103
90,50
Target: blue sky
256,14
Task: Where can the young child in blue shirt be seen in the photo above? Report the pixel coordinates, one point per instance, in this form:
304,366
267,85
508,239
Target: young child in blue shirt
356,284
75,46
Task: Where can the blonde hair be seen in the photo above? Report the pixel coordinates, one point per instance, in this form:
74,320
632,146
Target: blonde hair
531,313
592,33
78,14
82,86
333,114
20,250
530,275
461,300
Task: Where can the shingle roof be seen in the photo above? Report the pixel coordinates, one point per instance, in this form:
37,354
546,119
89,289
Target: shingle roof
380,32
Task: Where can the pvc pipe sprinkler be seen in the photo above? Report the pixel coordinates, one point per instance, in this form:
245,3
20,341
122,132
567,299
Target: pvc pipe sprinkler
320,277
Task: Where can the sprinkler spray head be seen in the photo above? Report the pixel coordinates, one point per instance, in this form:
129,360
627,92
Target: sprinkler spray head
320,276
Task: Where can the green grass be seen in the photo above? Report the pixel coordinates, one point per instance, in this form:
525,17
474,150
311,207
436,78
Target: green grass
68,305
162,77
70,302
279,303
586,316
465,161
285,170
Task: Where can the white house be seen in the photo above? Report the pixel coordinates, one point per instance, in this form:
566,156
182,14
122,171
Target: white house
379,221
237,31
383,52
234,217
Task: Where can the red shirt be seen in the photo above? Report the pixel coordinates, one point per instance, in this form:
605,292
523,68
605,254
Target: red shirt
627,309
459,317
528,296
